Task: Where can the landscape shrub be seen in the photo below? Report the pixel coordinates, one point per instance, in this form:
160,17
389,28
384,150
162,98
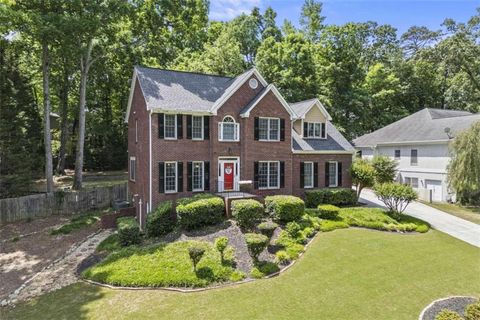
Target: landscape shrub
195,252
161,221
330,225
285,208
395,196
311,221
472,312
328,211
293,250
263,269
308,232
267,228
282,257
293,229
335,196
237,275
247,213
221,244
256,243
293,246
446,314
200,210
128,231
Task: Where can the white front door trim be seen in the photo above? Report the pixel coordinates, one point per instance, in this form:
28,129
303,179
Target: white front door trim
236,178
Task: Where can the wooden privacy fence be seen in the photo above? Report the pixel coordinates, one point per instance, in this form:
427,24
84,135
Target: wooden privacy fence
60,202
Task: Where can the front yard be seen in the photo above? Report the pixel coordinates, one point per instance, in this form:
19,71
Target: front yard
345,274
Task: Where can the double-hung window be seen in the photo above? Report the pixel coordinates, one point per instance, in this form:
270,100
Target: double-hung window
413,157
197,176
413,182
269,129
133,168
197,127
228,130
170,126
268,175
170,177
397,154
314,130
332,174
308,175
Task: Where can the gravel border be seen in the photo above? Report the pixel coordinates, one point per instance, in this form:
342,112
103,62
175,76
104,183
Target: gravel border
453,303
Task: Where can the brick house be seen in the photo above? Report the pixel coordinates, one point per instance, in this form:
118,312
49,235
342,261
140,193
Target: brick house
191,132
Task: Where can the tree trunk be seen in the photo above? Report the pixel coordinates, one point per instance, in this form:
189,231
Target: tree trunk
46,108
85,63
64,125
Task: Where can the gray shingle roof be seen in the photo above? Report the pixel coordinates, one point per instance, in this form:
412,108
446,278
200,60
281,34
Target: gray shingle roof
302,107
424,125
335,141
181,91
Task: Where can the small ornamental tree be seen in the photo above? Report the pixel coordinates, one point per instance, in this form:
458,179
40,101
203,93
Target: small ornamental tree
221,244
385,169
363,175
396,196
196,253
256,243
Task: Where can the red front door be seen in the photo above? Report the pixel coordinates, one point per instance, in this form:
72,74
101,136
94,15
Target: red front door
228,174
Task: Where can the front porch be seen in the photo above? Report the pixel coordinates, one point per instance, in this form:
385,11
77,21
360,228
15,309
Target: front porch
229,196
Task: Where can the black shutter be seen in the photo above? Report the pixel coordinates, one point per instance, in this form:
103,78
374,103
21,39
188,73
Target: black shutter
305,129
189,176
282,129
315,174
206,127
161,126
339,174
327,174
302,174
323,130
282,174
206,174
189,127
256,128
179,176
179,126
161,176
255,174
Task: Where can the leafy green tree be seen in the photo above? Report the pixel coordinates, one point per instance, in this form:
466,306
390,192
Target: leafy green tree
417,38
464,167
395,196
311,19
270,28
363,175
385,169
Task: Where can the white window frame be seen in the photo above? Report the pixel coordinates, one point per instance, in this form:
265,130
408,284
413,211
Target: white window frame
268,187
320,132
201,128
409,182
193,176
136,130
416,157
165,127
336,174
311,176
165,177
399,154
134,171
236,134
269,120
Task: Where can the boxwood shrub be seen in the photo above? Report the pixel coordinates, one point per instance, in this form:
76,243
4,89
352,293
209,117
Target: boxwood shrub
247,213
256,243
128,231
199,211
285,208
267,228
328,211
161,221
335,196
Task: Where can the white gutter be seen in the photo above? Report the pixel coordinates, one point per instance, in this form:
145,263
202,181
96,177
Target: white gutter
322,152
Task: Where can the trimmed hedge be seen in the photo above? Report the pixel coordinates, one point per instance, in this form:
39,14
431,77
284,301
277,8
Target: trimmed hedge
335,196
199,211
256,243
328,211
285,208
128,231
161,221
247,213
267,228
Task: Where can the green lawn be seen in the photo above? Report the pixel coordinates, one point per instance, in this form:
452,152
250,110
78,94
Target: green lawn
468,213
344,274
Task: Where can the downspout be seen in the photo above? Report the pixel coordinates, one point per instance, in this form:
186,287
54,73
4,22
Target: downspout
150,162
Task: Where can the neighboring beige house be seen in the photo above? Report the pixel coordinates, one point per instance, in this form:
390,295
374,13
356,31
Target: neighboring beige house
420,144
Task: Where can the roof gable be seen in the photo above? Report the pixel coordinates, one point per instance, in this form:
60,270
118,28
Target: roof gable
245,113
301,108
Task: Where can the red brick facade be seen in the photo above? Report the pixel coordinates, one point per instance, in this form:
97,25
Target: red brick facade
248,150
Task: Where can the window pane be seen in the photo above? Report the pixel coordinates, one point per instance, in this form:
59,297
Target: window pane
229,129
332,177
308,175
263,175
413,157
274,129
414,182
273,175
317,130
170,126
263,129
197,176
132,169
311,130
197,124
170,176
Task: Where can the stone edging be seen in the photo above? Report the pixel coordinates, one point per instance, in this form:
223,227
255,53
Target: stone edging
420,317
185,290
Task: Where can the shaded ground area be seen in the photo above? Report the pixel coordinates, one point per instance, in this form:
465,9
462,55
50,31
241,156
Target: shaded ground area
345,274
28,247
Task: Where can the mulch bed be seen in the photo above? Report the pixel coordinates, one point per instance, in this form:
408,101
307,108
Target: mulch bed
457,304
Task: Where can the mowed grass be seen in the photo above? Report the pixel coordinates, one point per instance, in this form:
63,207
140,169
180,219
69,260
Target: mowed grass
160,265
344,274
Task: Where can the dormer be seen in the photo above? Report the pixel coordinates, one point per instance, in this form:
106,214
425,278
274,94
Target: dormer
312,119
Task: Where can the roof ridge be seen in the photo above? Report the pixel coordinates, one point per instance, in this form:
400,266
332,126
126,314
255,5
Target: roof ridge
183,71
303,101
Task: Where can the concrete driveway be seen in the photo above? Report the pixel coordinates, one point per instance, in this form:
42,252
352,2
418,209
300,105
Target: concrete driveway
456,227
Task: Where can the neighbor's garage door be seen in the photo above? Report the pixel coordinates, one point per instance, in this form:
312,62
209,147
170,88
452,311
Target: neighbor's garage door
436,187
